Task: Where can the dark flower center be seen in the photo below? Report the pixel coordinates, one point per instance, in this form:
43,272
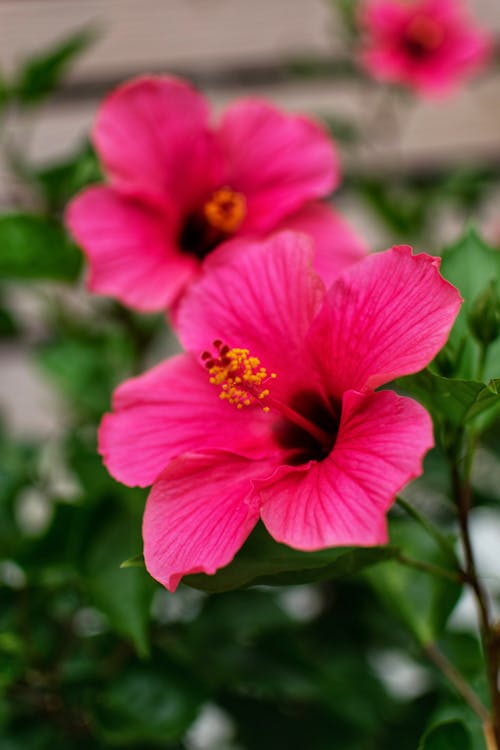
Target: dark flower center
212,223
423,36
307,424
294,438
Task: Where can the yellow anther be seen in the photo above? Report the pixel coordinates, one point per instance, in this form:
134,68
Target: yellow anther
225,210
241,377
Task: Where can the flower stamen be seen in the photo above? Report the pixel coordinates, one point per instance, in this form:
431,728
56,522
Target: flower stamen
241,377
225,210
243,382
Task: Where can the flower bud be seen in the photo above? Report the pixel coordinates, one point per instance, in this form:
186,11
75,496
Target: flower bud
484,315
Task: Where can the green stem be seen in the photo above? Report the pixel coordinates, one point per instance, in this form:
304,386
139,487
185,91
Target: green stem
443,542
481,365
426,567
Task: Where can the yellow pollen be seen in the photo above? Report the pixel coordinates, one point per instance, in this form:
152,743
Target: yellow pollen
240,376
225,210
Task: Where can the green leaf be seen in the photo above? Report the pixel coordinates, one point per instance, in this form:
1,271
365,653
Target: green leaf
60,182
487,397
86,365
238,616
133,562
12,649
41,74
17,466
484,317
5,93
450,735
341,130
452,709
97,485
348,9
443,397
402,210
263,561
145,705
33,247
25,736
422,601
454,400
463,649
471,266
8,325
123,595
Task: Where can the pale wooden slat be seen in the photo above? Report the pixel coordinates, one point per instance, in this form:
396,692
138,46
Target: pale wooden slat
138,35
155,33
30,406
462,128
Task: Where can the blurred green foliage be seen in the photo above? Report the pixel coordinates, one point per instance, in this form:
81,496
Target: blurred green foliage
408,205
446,736
36,247
40,75
471,265
263,561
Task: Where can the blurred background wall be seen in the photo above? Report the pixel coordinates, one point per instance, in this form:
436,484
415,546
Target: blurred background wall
291,50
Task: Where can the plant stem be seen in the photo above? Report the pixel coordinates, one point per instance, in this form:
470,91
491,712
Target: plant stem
491,643
489,736
458,682
426,567
483,353
434,532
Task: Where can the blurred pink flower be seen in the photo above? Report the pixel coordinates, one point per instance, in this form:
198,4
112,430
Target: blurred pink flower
429,45
179,188
272,414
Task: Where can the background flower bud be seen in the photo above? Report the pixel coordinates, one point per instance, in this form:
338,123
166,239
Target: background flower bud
484,317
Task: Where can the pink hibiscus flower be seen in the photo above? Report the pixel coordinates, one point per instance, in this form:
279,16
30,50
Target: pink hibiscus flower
428,45
271,413
178,188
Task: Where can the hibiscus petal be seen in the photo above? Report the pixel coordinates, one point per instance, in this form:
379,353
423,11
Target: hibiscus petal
198,514
278,161
336,244
387,316
153,139
447,12
343,499
128,248
169,410
263,299
384,18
